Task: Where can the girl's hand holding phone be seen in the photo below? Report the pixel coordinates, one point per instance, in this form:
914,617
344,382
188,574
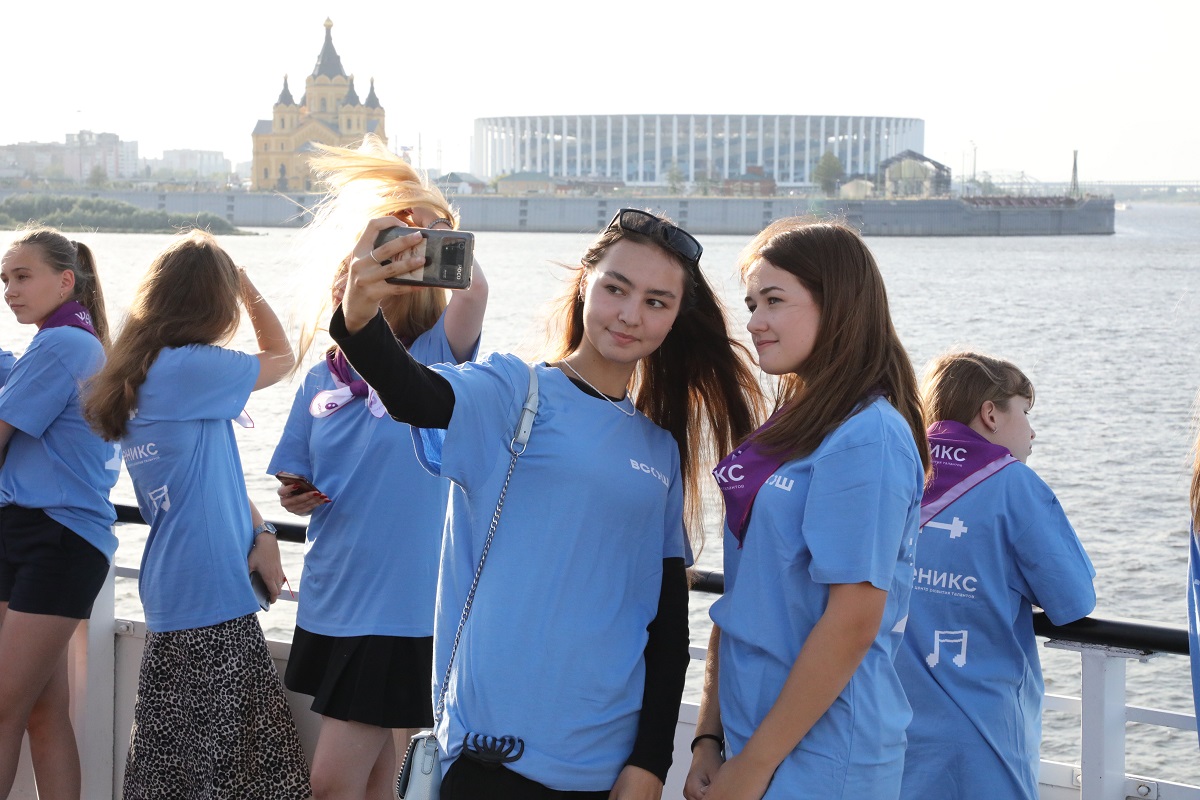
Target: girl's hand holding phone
368,284
297,495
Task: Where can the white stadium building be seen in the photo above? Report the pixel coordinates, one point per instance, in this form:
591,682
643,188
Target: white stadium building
657,149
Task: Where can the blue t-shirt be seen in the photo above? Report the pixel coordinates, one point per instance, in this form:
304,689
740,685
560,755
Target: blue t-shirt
846,513
55,461
180,451
370,565
7,362
1193,600
969,661
553,650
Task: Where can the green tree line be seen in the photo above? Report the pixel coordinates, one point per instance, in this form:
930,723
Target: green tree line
94,214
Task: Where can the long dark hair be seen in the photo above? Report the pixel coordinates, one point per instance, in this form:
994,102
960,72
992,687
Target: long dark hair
856,354
189,295
64,254
698,385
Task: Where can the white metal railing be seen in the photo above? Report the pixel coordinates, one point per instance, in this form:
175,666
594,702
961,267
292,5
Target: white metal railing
95,675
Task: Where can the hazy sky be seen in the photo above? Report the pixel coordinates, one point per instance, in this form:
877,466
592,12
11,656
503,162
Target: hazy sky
1027,82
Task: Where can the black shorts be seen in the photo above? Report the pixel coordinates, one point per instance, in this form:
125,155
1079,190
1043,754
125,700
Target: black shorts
376,680
470,780
45,567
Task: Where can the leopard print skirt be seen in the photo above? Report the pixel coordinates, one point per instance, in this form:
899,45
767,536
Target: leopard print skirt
211,721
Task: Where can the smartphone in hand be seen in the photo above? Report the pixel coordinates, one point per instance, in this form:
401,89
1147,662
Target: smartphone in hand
448,257
300,483
261,593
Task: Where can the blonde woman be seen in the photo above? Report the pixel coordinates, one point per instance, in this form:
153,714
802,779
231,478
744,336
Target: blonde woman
363,644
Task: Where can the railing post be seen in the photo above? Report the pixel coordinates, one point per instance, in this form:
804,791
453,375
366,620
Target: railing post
92,670
1102,762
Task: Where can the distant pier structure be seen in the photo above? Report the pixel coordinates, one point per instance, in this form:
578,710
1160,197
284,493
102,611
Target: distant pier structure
662,149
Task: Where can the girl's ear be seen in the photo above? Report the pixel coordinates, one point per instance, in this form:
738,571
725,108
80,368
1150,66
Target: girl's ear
67,281
987,415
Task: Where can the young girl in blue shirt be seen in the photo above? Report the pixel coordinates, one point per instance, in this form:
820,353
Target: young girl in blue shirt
363,644
570,670
56,539
211,718
801,699
994,543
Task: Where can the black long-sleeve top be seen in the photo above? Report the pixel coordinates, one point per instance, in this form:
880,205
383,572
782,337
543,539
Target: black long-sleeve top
414,394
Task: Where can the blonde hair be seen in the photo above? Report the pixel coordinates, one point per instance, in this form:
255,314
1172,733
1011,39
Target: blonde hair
363,184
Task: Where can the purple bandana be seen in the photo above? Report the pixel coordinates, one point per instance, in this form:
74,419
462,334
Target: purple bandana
326,402
962,459
739,476
339,367
72,314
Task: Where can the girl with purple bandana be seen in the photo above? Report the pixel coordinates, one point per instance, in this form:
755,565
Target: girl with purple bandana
363,644
994,543
56,537
800,697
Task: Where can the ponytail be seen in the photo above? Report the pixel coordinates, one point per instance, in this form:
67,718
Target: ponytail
88,291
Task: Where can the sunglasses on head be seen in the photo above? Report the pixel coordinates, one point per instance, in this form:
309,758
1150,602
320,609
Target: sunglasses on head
674,238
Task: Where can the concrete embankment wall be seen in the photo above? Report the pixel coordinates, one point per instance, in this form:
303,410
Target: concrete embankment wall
700,215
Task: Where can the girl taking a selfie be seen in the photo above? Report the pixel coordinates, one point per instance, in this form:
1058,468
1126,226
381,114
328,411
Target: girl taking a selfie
569,673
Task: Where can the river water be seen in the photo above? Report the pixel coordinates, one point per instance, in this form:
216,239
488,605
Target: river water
1104,326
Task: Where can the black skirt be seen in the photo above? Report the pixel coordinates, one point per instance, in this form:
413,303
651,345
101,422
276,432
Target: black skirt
376,680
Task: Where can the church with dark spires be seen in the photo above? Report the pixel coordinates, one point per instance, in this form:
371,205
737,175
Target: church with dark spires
329,112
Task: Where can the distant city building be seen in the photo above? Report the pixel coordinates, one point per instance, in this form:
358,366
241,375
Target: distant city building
76,159
329,113
528,183
195,163
460,183
85,151
754,183
660,149
33,159
911,174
